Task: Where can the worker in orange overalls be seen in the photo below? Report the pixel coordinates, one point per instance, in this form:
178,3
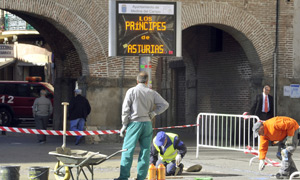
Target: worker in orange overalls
282,129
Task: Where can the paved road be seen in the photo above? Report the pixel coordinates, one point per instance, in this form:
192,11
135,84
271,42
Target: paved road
22,149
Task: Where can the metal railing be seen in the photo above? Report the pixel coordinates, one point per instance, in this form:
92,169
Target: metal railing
226,131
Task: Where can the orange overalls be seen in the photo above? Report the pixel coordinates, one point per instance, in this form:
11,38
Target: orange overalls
276,129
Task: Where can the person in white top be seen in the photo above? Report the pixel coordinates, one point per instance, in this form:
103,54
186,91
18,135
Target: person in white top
140,106
41,110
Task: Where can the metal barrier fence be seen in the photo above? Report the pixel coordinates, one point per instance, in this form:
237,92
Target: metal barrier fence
226,131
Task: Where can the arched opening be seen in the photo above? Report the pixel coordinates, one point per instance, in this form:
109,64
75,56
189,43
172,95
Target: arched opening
223,69
226,61
66,66
220,72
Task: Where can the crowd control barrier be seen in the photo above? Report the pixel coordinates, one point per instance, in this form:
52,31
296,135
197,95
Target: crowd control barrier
226,131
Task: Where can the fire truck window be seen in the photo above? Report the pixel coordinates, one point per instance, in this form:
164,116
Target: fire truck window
10,89
2,88
35,90
23,90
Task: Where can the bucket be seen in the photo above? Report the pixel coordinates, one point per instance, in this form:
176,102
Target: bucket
9,172
38,173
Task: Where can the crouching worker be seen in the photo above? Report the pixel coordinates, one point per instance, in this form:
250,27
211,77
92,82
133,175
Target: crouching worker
169,150
278,128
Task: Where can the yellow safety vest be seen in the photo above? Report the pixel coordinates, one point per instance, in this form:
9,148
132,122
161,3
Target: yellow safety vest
170,153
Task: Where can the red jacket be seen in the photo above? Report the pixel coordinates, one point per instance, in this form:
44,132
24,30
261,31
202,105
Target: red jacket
276,129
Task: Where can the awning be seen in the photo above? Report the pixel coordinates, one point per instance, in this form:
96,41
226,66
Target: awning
22,63
6,63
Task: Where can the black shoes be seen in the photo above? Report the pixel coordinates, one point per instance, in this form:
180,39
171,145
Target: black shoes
281,176
285,176
77,141
41,142
293,172
181,168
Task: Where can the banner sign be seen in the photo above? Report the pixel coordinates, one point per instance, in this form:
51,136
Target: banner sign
147,28
6,51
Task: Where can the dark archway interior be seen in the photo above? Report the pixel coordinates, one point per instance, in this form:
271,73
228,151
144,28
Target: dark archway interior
64,51
67,65
222,69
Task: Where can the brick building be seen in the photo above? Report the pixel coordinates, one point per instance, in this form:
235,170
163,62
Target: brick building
230,49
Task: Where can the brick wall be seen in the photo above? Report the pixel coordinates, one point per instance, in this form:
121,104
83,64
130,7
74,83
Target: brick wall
223,78
77,32
85,24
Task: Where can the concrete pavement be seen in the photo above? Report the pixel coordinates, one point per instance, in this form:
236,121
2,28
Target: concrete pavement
22,149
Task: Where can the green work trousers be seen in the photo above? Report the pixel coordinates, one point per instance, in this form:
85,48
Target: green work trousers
136,132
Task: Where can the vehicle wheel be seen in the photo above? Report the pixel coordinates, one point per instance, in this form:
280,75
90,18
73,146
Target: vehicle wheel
5,117
63,173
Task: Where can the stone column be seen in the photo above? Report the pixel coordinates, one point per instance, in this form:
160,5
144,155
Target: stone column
105,96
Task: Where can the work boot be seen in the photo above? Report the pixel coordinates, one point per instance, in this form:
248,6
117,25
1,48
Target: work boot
294,170
78,140
281,176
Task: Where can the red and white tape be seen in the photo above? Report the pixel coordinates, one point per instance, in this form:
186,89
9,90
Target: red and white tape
56,132
74,133
269,162
172,127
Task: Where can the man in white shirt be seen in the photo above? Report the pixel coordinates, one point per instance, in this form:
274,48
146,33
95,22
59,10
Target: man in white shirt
263,105
41,110
140,106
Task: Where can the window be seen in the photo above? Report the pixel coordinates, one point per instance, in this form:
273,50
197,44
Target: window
10,89
2,88
35,90
23,90
216,39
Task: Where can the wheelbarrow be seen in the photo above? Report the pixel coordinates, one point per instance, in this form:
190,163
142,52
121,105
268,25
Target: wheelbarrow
78,159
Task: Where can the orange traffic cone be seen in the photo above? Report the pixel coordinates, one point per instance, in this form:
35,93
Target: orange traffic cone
161,172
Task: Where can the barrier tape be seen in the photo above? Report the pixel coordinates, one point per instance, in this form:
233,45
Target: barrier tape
74,133
268,162
172,127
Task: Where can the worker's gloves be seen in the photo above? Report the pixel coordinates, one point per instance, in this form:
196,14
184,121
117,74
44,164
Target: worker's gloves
122,131
285,155
178,159
152,114
261,165
289,141
278,155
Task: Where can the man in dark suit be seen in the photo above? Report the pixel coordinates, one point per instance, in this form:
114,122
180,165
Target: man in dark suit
263,106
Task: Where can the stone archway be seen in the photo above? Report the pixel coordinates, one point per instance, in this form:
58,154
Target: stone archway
73,36
243,27
75,22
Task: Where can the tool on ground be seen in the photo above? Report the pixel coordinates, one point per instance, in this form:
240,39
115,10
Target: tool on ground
194,168
177,170
178,160
63,149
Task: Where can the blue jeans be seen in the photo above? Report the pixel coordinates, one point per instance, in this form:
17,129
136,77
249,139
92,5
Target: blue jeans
77,125
170,167
136,132
288,166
